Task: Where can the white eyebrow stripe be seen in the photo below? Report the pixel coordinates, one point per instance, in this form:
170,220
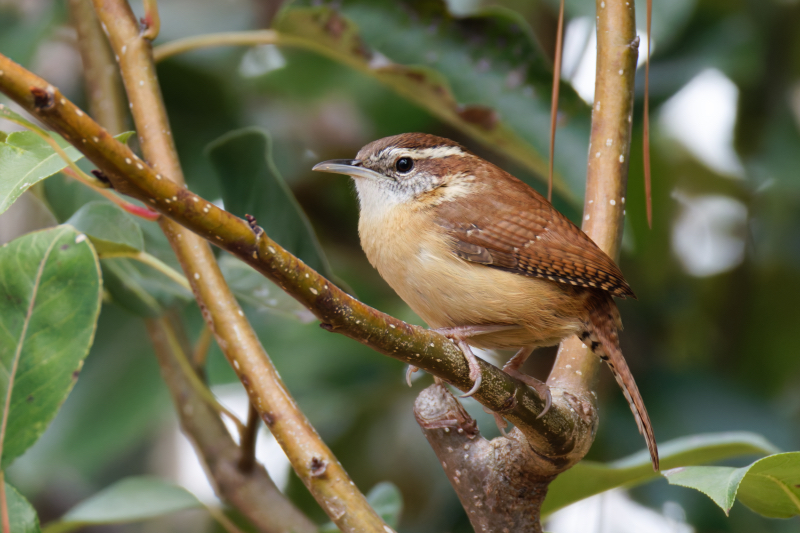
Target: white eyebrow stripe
436,152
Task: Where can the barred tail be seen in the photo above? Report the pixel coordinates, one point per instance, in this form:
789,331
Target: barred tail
602,333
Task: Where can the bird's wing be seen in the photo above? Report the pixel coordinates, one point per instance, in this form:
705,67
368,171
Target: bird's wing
512,229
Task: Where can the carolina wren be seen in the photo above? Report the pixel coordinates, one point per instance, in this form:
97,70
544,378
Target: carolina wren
485,259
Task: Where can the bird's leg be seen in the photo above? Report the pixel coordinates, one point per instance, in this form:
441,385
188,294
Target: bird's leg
512,369
459,335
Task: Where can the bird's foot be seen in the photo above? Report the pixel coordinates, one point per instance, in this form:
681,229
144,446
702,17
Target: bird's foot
460,335
512,368
539,386
501,422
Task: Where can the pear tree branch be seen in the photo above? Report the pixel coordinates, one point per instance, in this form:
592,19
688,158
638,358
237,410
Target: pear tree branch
333,490
576,368
553,436
251,491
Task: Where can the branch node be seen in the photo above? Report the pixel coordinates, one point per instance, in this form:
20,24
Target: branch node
42,99
100,175
326,326
317,467
258,230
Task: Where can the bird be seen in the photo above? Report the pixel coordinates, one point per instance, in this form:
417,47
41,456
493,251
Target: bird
486,260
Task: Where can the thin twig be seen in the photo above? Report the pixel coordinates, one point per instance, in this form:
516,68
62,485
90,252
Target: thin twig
646,129
151,20
157,264
554,100
4,518
200,351
193,379
141,212
213,40
247,440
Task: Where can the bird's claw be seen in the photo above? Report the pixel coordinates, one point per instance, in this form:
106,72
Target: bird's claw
411,370
474,369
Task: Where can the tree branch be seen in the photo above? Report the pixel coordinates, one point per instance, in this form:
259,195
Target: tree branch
500,483
334,490
553,435
251,492
576,367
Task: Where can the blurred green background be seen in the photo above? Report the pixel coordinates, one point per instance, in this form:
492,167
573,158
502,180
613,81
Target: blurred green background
713,339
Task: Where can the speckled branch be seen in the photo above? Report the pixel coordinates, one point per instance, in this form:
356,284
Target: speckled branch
576,368
250,490
553,436
332,489
500,483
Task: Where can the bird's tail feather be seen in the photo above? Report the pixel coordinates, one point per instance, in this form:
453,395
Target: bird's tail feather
602,333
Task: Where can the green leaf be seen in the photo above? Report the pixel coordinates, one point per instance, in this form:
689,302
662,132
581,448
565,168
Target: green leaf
252,288
482,74
131,499
588,478
26,158
21,514
769,486
112,230
719,483
51,289
251,184
387,501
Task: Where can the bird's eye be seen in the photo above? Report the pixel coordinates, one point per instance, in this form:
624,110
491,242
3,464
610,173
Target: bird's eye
404,164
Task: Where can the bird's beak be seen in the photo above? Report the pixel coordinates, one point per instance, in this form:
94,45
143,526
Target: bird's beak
349,167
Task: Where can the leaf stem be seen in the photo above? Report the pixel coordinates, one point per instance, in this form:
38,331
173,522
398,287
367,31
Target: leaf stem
201,348
156,263
141,212
151,20
199,387
4,505
212,40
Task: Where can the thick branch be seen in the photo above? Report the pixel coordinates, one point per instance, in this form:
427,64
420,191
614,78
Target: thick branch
553,435
499,482
252,491
334,490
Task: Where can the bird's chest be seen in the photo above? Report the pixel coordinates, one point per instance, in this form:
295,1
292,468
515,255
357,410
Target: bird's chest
413,258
